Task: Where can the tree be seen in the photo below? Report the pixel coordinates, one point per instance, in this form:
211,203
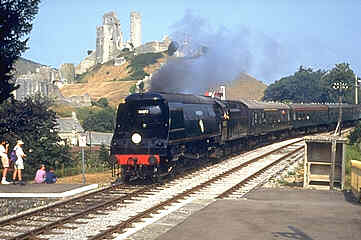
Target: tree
15,23
303,86
32,121
133,89
101,120
307,85
355,135
341,73
102,102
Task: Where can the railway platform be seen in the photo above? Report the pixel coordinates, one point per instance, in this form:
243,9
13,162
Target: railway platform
274,214
32,190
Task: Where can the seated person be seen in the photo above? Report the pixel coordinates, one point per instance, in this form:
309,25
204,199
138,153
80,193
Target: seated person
40,174
50,176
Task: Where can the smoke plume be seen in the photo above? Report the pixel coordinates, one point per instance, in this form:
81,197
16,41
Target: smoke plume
213,57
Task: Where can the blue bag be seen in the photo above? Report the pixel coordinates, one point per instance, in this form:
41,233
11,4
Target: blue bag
13,156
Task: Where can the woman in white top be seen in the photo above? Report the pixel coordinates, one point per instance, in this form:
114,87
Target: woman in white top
4,146
19,164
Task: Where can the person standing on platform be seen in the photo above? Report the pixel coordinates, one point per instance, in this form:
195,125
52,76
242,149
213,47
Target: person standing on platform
4,147
40,174
19,164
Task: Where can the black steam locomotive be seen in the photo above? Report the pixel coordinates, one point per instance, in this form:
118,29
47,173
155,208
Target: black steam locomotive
156,132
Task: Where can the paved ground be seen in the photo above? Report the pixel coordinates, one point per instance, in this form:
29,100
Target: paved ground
43,190
275,214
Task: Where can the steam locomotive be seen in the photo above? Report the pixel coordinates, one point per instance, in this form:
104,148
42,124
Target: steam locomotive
156,132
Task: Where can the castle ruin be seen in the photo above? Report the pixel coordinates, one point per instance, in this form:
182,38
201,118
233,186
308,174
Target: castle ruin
135,29
39,82
109,39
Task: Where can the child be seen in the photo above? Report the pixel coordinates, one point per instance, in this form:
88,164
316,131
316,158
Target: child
50,176
40,174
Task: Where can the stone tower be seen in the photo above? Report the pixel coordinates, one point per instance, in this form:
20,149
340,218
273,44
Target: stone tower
109,40
67,73
135,29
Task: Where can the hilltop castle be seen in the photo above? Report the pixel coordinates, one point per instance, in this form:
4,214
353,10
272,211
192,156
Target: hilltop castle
109,43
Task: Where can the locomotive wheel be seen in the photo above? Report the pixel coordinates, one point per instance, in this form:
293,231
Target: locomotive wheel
124,175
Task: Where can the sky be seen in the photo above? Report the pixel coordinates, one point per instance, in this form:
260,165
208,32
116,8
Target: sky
271,39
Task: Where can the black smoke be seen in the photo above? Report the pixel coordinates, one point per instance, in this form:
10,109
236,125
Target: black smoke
213,56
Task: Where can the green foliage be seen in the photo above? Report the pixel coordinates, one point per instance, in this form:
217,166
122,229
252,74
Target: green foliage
353,150
100,120
102,102
93,163
83,113
32,121
139,62
309,86
341,73
103,154
303,86
80,78
355,135
15,25
133,89
100,117
352,153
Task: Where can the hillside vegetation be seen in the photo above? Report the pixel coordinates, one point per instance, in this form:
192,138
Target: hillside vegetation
113,82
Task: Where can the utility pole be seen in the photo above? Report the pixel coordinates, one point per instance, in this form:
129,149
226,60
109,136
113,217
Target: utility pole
339,86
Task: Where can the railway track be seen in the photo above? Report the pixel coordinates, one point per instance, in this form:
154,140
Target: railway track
112,211
75,210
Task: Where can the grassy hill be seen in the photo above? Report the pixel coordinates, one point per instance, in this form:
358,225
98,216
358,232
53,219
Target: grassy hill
245,87
109,81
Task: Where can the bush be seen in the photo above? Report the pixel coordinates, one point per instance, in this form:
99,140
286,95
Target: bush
138,63
355,135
